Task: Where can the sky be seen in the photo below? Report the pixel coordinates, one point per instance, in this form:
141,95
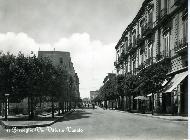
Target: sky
88,29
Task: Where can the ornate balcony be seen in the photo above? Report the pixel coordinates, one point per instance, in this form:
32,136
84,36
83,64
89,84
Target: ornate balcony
155,23
181,46
179,2
149,61
147,29
117,63
129,47
163,55
139,40
122,56
141,66
163,12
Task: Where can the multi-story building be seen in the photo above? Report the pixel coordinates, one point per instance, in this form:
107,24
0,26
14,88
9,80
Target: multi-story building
63,60
158,31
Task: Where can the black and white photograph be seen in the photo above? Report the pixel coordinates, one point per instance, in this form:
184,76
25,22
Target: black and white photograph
94,69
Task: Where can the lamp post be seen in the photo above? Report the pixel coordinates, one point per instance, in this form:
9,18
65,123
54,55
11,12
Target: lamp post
6,105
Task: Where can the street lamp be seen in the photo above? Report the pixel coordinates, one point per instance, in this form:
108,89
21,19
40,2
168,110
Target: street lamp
6,105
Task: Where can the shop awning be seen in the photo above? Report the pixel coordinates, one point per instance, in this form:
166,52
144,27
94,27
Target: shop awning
141,98
149,95
175,81
164,83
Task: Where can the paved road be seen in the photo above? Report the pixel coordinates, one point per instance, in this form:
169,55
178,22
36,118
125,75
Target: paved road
106,124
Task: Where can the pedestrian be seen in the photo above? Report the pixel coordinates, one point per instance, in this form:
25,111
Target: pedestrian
88,105
93,105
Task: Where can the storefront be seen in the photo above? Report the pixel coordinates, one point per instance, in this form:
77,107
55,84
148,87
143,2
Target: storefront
175,95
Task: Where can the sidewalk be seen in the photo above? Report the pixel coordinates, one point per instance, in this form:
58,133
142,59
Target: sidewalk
22,122
164,117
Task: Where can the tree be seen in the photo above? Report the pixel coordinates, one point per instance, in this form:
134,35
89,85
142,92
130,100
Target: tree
31,77
151,78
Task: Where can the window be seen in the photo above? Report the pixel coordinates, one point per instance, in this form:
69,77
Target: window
134,37
150,16
139,58
129,64
185,30
149,50
167,44
142,55
126,43
133,69
61,60
146,52
142,24
126,67
117,55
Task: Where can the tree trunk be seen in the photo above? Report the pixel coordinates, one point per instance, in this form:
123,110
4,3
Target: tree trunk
129,103
63,108
6,109
52,106
31,107
40,101
152,104
0,108
28,106
59,108
66,104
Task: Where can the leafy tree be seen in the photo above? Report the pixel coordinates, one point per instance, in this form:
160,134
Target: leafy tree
31,77
150,79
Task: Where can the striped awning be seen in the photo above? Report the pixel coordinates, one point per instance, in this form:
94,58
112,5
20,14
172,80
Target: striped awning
175,81
141,98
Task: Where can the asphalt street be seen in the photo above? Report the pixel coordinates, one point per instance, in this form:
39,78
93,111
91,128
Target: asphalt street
104,124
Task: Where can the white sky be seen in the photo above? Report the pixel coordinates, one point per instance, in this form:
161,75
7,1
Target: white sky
89,29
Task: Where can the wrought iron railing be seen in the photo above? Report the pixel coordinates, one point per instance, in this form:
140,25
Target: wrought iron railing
181,44
163,12
149,61
164,54
178,2
147,28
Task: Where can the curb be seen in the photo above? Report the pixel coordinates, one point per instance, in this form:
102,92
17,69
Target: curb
184,120
36,125
161,118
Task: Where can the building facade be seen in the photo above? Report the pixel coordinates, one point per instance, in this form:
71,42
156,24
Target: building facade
158,31
63,60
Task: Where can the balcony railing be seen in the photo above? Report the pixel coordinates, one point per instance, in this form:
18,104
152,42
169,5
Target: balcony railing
179,2
163,12
180,45
164,54
139,40
147,28
129,47
149,61
141,66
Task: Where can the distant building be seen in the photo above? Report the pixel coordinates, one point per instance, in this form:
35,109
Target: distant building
59,58
93,94
63,59
86,100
